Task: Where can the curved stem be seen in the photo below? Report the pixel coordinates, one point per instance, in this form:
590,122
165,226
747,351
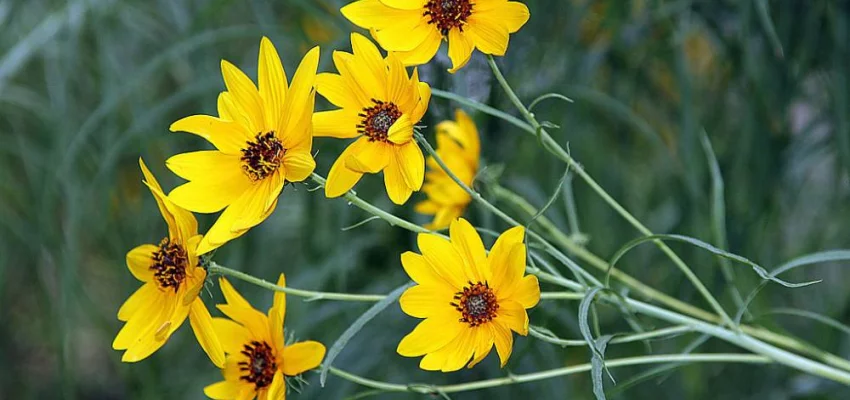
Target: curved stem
636,337
553,373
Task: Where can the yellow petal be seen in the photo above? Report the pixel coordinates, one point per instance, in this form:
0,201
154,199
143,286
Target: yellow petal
228,110
444,259
483,344
430,335
216,180
422,105
245,212
406,33
227,136
298,165
512,315
444,217
467,136
272,82
254,321
245,95
399,89
421,272
501,252
397,188
488,35
201,322
181,223
405,4
470,247
412,164
246,393
341,179
464,346
337,91
527,292
401,131
359,90
300,102
141,298
277,389
302,356
232,336
276,316
506,269
224,390
372,157
368,56
428,207
460,49
504,341
423,301
371,13
148,316
424,52
279,302
140,260
513,14
231,296
341,124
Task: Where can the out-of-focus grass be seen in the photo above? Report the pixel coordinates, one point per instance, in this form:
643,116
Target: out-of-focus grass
88,86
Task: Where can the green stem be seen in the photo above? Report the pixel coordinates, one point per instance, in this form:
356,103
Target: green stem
553,373
559,152
674,330
561,296
309,294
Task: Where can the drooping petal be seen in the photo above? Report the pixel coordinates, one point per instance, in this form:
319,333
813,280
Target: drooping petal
245,95
444,259
272,82
373,14
302,356
341,179
298,165
229,137
412,164
340,124
181,223
423,301
460,49
396,186
504,341
139,300
372,157
488,35
422,105
201,322
140,260
430,335
469,245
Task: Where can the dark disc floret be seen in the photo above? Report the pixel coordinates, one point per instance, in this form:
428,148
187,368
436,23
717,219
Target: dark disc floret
377,120
261,364
448,14
169,264
262,156
477,303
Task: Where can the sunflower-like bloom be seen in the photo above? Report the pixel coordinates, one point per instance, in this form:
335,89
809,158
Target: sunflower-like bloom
470,301
263,140
459,147
379,105
414,28
172,282
257,357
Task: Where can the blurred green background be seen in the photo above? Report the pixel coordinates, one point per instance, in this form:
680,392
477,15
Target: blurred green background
88,86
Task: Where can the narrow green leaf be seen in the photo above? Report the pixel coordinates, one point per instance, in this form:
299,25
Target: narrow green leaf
356,327
548,96
597,365
810,315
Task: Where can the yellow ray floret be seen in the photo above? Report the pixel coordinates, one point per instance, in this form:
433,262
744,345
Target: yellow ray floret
379,104
172,281
470,301
459,147
263,138
414,28
257,357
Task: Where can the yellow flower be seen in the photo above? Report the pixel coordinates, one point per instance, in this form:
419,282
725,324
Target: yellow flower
458,146
257,358
172,281
263,140
379,105
470,301
415,28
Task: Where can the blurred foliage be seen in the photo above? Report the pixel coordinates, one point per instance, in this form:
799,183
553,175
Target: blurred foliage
88,86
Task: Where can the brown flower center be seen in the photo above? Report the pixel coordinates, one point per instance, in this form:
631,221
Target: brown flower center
263,156
448,14
377,120
476,303
169,264
261,365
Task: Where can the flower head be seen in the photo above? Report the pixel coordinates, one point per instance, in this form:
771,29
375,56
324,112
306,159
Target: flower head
414,28
459,147
257,357
379,105
172,281
470,300
263,139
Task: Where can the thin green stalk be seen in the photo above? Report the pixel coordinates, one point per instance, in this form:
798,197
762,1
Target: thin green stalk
553,373
559,152
309,294
561,296
637,337
652,294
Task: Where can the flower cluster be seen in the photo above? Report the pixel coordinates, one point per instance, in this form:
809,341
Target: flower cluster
263,139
